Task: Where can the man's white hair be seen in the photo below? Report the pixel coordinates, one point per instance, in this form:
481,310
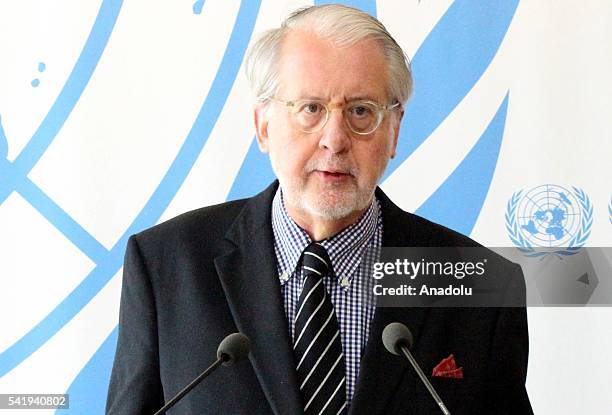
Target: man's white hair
344,26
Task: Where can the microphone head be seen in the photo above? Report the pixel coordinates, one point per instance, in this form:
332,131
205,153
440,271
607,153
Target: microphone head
396,335
233,348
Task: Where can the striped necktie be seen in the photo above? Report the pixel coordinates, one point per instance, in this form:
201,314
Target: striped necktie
317,345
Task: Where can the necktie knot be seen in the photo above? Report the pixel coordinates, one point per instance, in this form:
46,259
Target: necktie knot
316,262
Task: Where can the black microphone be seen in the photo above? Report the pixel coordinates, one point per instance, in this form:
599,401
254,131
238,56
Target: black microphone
232,349
398,339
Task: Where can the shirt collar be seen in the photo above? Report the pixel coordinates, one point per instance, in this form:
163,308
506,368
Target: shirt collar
345,249
289,239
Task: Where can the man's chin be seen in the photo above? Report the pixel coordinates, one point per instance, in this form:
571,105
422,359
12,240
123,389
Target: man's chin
334,206
330,212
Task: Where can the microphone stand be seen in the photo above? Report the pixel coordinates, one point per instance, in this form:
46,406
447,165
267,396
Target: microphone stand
192,385
424,379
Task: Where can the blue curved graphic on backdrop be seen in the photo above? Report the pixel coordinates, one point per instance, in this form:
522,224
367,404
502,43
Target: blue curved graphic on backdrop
448,64
255,173
50,210
197,7
41,68
87,390
67,99
63,222
458,202
157,203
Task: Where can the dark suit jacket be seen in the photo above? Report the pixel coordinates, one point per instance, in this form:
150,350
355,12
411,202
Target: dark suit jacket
193,280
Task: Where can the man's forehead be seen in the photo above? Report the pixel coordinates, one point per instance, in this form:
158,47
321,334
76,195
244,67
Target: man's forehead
313,67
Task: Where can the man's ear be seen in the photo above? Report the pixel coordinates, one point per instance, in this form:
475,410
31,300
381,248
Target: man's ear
397,121
260,113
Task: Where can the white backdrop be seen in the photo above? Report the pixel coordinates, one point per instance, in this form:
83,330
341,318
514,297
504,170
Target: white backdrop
116,115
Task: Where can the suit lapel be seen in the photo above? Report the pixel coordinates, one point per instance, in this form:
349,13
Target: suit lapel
381,372
248,275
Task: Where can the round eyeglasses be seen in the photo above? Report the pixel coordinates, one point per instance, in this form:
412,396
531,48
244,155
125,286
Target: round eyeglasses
361,117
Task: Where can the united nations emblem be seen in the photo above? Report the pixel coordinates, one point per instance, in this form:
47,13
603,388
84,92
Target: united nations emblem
550,218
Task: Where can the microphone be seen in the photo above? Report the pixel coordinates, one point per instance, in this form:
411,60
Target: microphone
398,340
232,349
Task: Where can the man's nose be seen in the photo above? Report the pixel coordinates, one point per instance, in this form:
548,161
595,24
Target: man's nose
335,134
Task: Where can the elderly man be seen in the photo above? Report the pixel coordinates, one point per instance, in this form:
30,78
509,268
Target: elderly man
284,266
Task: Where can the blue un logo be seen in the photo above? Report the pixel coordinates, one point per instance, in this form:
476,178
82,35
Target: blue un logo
549,217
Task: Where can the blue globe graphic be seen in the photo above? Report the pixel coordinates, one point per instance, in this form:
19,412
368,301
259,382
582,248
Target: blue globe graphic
549,216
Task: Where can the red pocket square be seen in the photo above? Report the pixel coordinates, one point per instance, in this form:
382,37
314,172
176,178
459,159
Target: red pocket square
447,368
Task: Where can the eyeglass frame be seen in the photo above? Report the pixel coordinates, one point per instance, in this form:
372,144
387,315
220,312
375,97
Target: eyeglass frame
331,106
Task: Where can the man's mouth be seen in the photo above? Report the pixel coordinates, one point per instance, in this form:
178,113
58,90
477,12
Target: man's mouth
333,175
337,172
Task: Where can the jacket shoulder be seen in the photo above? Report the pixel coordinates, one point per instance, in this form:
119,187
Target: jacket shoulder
209,223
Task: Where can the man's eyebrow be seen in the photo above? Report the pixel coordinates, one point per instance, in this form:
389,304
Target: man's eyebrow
346,99
309,98
362,98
